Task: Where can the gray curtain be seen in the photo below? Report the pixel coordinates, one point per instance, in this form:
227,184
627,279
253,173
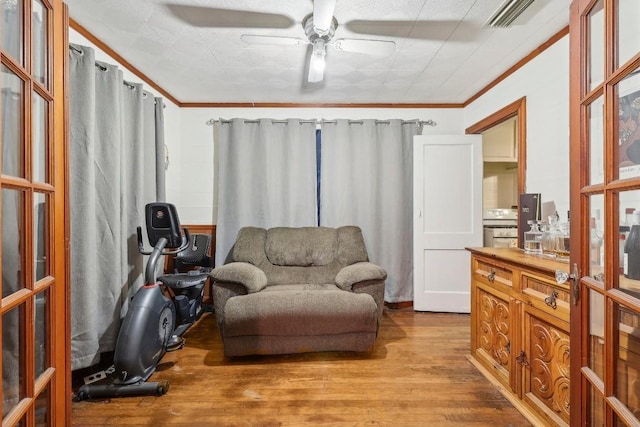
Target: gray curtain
112,178
266,177
367,180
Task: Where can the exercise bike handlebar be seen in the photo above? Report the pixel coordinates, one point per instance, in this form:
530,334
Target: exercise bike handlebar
157,251
186,239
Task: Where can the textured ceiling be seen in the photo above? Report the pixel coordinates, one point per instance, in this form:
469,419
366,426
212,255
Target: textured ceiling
193,50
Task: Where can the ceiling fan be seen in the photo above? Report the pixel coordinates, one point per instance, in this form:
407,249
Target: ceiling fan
319,28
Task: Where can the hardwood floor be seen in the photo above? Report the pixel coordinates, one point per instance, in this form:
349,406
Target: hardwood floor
416,375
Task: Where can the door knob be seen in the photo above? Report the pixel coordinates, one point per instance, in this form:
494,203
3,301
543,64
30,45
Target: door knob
563,276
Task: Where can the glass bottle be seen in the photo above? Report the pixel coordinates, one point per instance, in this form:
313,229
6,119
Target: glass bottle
622,240
533,239
549,235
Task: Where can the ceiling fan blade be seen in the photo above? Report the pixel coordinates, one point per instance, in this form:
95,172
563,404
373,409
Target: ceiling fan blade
370,47
455,30
322,15
273,40
201,16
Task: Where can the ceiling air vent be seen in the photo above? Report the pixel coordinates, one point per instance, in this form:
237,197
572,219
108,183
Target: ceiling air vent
508,11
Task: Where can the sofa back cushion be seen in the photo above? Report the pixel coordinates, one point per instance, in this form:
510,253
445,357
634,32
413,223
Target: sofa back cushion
302,247
289,255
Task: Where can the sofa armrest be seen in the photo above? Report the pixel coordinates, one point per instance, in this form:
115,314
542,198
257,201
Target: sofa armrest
359,272
248,275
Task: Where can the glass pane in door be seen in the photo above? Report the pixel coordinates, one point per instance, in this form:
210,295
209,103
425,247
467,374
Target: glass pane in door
628,363
628,37
595,53
628,121
39,138
596,237
629,242
596,407
43,409
13,374
39,38
40,233
596,333
12,29
41,326
13,277
11,121
596,139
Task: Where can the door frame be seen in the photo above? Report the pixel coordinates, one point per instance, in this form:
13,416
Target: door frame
517,109
52,386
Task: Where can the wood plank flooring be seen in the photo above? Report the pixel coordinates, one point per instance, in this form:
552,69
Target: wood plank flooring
416,375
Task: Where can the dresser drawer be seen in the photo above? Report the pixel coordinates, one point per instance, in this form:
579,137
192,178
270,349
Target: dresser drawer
546,295
492,272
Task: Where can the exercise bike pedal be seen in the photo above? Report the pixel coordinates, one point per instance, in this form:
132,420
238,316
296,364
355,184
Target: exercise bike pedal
175,343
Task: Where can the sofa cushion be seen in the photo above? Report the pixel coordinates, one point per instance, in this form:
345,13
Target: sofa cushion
351,247
301,247
300,310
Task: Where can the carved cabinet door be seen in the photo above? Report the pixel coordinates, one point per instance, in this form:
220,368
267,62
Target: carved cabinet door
545,365
493,339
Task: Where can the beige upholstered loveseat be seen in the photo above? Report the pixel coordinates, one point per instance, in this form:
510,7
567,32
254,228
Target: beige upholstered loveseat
295,290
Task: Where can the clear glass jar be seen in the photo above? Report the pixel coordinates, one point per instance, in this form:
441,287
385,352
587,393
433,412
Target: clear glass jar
533,239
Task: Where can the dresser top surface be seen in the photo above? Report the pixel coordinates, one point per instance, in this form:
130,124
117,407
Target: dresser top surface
518,256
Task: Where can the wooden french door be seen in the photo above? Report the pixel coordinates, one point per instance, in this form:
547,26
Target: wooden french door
34,347
605,191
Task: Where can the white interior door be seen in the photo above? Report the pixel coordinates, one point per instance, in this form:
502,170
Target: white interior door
447,202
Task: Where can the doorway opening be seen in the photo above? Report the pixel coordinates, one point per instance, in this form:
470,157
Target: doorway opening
504,169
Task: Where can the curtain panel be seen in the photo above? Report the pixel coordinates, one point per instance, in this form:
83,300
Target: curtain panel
367,180
266,177
113,152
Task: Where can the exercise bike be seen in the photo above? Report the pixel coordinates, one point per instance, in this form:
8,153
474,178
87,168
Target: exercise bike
155,323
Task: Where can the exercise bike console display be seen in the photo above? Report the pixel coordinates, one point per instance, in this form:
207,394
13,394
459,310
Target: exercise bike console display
162,221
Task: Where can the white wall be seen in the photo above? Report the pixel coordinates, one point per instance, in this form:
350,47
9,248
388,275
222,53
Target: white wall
544,81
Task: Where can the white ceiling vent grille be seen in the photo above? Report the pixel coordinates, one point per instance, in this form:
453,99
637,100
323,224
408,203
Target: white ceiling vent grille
508,12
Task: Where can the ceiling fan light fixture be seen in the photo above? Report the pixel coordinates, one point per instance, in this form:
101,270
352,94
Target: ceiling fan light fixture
317,62
508,12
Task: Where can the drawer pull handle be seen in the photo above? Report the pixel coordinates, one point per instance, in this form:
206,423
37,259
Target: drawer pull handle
551,300
522,358
491,276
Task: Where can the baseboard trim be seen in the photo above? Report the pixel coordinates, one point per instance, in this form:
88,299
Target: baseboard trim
398,305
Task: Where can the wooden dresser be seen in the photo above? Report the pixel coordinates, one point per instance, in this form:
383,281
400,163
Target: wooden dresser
520,330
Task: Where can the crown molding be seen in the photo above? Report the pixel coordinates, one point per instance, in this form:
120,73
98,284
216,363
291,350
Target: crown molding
311,105
126,64
537,51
